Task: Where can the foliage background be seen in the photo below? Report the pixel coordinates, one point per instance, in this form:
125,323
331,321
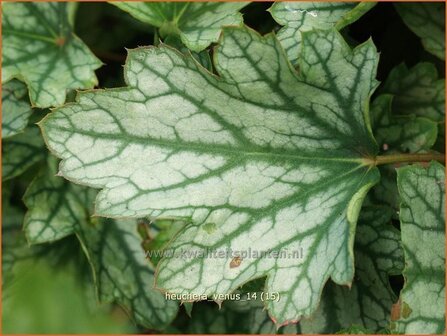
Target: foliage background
51,290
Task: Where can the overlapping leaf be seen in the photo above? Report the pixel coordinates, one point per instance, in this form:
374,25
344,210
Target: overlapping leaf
426,20
22,151
404,120
401,133
368,302
198,24
58,208
417,91
156,236
260,157
39,48
123,274
300,16
234,317
15,108
422,215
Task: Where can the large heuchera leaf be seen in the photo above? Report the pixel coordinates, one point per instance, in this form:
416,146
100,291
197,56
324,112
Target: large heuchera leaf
260,157
427,21
300,16
422,215
198,24
40,48
15,108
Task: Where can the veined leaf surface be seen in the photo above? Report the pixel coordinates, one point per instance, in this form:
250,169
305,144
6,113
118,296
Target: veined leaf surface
15,108
13,243
22,151
57,208
426,20
300,16
39,48
157,235
378,254
123,274
260,157
417,91
401,133
197,23
422,216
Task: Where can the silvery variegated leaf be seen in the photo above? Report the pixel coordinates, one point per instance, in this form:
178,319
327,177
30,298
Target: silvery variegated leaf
367,303
260,156
40,49
123,274
198,24
56,208
421,308
121,271
399,132
301,16
426,20
16,108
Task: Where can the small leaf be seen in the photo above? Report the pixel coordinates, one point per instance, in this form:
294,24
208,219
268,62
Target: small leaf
235,317
198,24
55,206
354,330
378,254
417,91
427,21
161,233
15,108
422,216
298,17
271,159
22,151
401,133
40,49
123,274
14,246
